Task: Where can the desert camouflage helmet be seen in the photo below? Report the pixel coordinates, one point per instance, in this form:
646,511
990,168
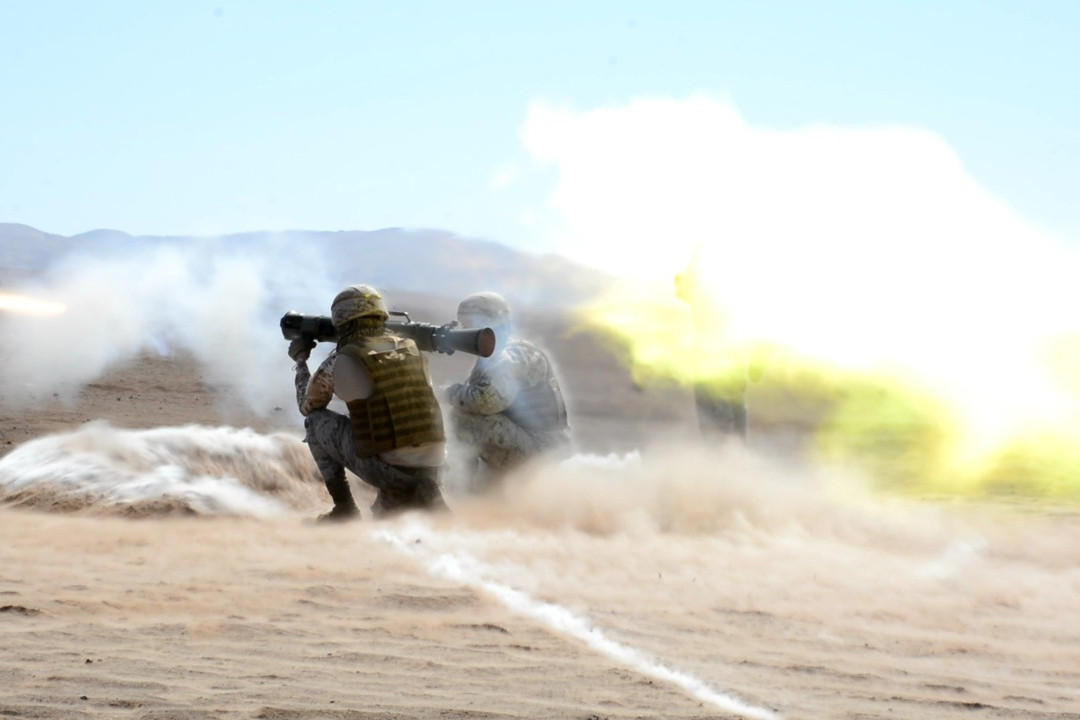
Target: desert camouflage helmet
357,301
485,307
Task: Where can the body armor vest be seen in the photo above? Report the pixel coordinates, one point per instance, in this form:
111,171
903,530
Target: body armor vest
539,408
402,410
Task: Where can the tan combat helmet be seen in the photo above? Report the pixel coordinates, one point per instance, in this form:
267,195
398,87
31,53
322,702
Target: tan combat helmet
483,309
357,301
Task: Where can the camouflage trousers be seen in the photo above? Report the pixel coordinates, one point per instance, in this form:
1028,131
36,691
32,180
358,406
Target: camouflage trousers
329,436
494,445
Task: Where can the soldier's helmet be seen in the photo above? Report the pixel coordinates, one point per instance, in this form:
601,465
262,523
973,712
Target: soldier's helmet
483,309
357,301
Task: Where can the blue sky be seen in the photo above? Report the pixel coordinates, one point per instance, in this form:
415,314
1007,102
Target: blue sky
210,117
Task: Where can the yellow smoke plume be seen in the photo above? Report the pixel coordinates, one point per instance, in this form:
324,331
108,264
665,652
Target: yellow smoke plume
924,406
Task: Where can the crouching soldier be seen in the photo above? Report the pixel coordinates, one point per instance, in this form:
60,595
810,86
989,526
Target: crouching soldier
511,408
393,436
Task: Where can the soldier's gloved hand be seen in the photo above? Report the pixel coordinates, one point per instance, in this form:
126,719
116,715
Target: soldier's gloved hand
300,349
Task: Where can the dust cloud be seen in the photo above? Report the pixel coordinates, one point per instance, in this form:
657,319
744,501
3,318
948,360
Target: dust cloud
219,301
728,492
99,469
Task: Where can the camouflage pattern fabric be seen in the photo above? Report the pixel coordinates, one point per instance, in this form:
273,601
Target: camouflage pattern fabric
329,436
488,415
315,392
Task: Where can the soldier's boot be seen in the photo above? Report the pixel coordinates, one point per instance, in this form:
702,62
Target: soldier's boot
344,506
429,496
422,493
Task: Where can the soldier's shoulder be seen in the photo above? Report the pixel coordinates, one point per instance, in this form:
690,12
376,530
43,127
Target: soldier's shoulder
521,350
329,360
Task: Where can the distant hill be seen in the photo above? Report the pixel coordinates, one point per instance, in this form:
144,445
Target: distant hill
429,261
24,249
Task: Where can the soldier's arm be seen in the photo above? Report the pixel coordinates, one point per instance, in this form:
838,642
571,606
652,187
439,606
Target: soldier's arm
314,392
486,392
529,362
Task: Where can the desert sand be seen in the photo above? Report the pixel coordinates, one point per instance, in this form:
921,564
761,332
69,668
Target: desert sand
159,561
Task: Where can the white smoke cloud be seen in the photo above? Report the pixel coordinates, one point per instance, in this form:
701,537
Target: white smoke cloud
218,300
658,177
204,470
858,248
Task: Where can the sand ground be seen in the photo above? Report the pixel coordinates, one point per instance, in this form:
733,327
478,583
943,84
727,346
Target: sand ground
680,581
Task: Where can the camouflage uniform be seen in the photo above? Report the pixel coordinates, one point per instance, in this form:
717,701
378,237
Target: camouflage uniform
329,435
393,436
508,410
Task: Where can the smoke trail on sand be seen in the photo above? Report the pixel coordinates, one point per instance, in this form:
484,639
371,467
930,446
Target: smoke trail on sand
218,301
724,536
460,567
99,469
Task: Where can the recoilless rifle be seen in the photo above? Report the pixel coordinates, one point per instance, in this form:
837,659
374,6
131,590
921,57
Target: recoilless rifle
445,339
